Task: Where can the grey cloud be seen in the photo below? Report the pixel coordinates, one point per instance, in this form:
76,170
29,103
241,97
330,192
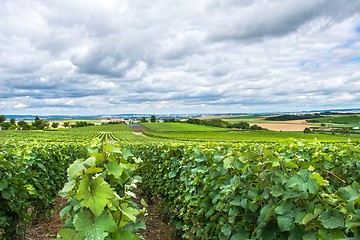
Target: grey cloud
178,56
275,18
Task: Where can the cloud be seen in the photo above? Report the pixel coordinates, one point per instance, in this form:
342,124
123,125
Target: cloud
20,105
96,57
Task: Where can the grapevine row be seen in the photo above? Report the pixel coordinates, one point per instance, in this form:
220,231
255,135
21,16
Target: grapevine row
290,190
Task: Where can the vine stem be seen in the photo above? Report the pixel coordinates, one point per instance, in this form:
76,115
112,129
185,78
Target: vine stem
335,176
268,191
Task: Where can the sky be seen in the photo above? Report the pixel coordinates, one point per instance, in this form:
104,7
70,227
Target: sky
89,57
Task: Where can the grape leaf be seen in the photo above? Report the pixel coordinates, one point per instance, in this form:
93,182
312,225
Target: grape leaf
76,168
129,213
96,196
67,234
286,221
114,169
331,219
98,229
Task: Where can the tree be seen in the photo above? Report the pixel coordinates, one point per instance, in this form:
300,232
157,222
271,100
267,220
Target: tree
5,125
24,125
2,118
12,121
55,125
153,118
143,120
66,124
242,125
40,124
307,130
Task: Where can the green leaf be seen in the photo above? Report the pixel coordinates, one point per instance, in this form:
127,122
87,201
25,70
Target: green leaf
64,211
105,222
124,234
240,235
326,156
226,229
310,216
267,211
83,221
98,229
68,186
129,213
286,222
94,234
312,235
96,196
327,234
236,201
67,234
320,180
276,191
284,207
76,168
114,169
299,217
331,218
127,153
91,161
144,203
347,193
227,163
246,156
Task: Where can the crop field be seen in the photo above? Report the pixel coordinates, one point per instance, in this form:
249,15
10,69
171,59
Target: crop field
337,119
216,183
250,136
181,127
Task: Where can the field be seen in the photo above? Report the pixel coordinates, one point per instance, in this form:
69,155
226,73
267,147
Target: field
215,183
249,136
181,127
337,119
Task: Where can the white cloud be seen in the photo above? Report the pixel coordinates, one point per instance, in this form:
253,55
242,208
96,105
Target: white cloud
20,105
218,56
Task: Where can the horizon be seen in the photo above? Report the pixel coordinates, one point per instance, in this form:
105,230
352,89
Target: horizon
350,111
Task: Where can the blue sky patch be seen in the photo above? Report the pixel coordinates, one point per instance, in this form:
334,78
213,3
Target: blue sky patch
357,29
355,59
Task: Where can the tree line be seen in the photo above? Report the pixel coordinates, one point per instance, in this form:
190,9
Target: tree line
38,124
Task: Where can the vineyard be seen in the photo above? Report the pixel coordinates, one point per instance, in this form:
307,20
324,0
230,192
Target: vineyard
213,184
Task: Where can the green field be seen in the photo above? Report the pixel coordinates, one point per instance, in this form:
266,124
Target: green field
340,120
249,136
181,127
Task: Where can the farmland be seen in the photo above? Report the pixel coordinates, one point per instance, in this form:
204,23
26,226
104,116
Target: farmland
216,183
181,127
249,136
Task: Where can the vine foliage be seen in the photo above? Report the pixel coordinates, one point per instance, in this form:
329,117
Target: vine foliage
100,189
284,190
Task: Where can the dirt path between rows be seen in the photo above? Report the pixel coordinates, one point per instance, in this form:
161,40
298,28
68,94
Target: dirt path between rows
157,224
140,134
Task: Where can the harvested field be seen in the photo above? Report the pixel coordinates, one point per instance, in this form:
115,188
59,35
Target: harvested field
283,126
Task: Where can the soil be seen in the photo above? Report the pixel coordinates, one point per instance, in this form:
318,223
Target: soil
157,225
47,228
